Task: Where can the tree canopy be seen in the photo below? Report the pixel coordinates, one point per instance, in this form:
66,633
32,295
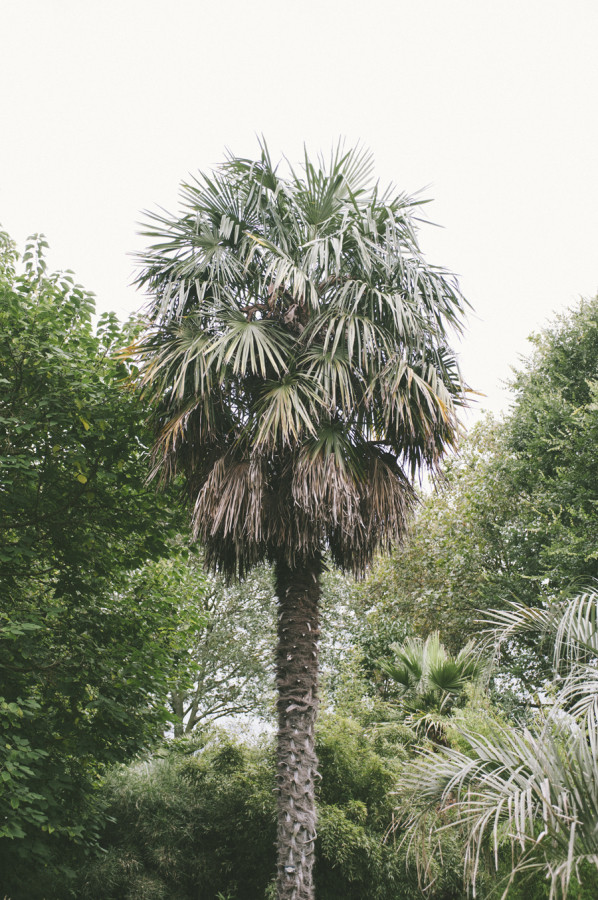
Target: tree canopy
83,660
514,515
300,353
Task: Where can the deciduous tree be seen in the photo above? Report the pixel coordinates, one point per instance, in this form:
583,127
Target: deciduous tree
83,662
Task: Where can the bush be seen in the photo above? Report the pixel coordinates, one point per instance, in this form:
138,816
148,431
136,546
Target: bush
200,822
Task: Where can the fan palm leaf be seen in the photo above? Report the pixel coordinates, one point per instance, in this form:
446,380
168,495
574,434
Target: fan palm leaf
431,678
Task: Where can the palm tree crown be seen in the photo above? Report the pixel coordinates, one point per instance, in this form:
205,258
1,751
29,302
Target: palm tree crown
299,349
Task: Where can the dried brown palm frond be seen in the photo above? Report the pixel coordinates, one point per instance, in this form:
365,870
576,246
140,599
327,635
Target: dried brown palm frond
294,507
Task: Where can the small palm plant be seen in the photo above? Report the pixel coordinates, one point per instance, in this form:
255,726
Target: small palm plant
299,360
535,789
431,681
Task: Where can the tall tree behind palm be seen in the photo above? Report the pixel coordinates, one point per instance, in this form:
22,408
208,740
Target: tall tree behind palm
298,353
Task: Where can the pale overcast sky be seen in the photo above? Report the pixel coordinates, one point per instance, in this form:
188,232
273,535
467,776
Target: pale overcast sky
488,105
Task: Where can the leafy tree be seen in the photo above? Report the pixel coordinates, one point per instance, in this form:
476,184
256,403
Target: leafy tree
459,556
226,668
551,435
298,351
515,516
72,440
83,661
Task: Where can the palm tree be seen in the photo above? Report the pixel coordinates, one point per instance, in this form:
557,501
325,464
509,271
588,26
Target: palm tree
535,788
298,351
431,681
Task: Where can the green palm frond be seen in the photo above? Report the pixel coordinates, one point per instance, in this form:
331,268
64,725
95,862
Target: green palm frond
334,374
535,788
401,674
571,627
248,346
431,678
566,616
287,411
364,342
323,187
538,792
447,677
577,632
471,661
411,654
178,361
333,445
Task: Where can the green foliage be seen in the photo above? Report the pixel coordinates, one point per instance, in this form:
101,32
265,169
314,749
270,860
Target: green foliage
431,682
227,666
353,639
83,659
17,770
515,516
72,444
551,438
197,821
201,821
456,555
530,794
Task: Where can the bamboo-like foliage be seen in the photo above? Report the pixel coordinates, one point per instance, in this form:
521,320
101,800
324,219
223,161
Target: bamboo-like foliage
298,350
535,789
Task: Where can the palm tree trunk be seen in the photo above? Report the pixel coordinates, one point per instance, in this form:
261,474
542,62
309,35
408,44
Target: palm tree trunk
298,591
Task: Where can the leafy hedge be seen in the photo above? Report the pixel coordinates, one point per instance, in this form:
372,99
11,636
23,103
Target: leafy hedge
200,822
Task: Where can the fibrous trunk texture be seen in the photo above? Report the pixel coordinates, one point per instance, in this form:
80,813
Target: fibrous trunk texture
298,592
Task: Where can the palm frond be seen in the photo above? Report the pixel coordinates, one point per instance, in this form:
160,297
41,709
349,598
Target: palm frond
287,411
247,346
570,625
538,792
401,674
352,493
334,374
429,673
364,341
412,407
177,362
230,509
535,788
